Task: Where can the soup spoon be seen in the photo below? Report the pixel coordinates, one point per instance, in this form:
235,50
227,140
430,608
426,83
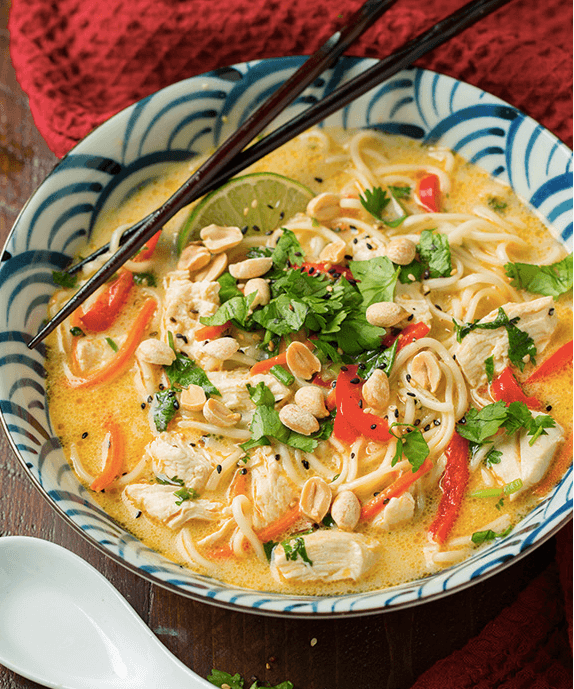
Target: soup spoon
62,624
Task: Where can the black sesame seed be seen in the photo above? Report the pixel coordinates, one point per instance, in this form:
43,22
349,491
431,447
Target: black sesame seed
143,405
396,413
244,229
319,179
352,455
311,270
411,394
175,404
277,458
386,501
219,468
139,514
298,254
281,215
256,228
270,206
352,282
360,404
305,463
192,444
408,377
427,428
243,472
334,384
551,311
355,381
362,366
150,399
181,337
377,493
463,420
417,422
436,422
344,368
373,426
161,386
84,435
426,275
454,356
355,240
348,257
410,318
369,246
437,307
549,407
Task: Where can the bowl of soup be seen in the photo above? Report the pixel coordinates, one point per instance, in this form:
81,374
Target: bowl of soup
339,385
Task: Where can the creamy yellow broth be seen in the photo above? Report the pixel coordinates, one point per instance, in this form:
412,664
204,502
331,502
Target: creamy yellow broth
78,415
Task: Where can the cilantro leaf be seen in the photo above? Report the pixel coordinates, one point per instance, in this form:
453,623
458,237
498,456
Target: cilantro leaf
235,309
377,279
414,272
268,549
294,548
166,481
501,320
497,204
412,444
63,279
479,537
374,201
165,409
434,250
77,332
184,494
480,425
357,334
145,279
492,457
261,394
227,288
287,250
551,281
539,423
489,368
218,678
376,358
185,372
282,315
402,192
520,347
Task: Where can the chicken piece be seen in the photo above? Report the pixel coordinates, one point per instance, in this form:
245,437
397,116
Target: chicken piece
524,461
233,387
411,299
537,318
93,352
335,555
396,513
272,493
173,456
367,247
185,302
159,502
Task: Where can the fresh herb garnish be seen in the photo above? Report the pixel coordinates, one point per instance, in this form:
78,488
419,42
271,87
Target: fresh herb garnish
268,549
112,344
497,204
228,288
492,457
184,494
479,537
282,375
412,445
166,481
261,394
434,251
377,279
294,548
489,368
63,279
77,332
376,358
376,200
147,279
551,281
220,678
165,409
185,372
498,492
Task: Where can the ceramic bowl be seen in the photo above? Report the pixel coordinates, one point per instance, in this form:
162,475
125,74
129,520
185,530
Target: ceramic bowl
176,124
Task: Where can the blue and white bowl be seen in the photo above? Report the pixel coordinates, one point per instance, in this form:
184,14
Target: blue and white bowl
178,123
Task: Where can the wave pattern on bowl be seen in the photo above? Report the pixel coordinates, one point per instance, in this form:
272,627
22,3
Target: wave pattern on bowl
177,124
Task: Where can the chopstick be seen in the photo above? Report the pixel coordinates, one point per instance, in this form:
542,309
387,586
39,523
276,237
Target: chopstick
207,173
455,23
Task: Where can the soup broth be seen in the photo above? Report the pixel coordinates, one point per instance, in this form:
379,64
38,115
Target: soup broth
399,429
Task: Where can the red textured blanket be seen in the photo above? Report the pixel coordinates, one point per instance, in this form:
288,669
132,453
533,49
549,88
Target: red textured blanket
81,61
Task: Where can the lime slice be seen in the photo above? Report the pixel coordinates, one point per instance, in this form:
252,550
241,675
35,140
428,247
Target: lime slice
260,202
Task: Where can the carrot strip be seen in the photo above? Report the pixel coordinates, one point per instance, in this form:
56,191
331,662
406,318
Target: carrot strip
238,485
221,553
271,532
559,466
397,488
267,364
210,332
120,362
114,458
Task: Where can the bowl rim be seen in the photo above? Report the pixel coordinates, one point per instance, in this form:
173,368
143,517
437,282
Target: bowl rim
248,607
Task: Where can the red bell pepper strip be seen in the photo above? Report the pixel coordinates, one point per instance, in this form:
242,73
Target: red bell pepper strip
210,332
505,388
428,192
119,363
396,489
107,306
351,421
148,248
326,268
114,458
453,482
412,332
561,358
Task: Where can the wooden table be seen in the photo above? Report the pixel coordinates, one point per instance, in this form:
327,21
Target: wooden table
386,650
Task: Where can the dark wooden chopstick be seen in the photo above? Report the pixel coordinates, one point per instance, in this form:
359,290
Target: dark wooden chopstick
342,96
207,173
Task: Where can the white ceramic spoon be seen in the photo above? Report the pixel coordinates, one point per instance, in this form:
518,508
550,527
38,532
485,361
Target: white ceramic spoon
62,624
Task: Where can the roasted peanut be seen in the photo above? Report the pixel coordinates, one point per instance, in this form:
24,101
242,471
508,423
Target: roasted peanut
218,239
324,207
155,352
425,370
301,361
334,252
311,398
251,268
346,510
401,251
217,413
376,391
213,270
385,314
222,348
192,398
261,288
194,257
298,419
315,498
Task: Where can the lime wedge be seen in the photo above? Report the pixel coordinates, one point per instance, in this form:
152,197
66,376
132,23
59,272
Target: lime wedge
260,202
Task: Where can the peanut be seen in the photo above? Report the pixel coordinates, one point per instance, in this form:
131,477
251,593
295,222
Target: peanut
315,498
219,239
251,268
376,391
217,413
425,370
155,352
194,257
213,270
192,398
223,348
401,251
333,252
311,398
301,361
324,207
385,314
298,419
261,288
346,510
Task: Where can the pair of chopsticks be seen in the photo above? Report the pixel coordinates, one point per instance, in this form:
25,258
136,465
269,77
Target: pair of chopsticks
230,158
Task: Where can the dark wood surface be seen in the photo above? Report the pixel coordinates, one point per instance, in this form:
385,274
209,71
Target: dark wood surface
386,650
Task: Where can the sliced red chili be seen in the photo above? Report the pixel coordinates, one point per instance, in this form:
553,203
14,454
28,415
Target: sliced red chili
106,308
561,358
412,332
505,388
453,482
428,192
148,248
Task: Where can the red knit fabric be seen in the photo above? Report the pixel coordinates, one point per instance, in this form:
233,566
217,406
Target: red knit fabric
81,61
